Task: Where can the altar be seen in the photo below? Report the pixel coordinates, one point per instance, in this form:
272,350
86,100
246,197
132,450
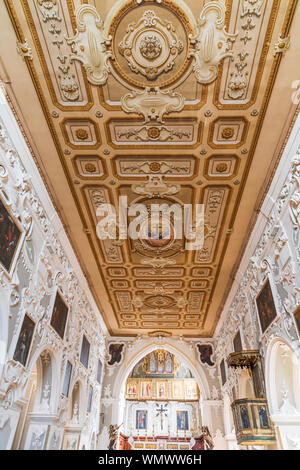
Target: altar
160,443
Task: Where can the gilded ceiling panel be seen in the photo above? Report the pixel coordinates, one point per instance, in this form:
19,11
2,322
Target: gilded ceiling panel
160,102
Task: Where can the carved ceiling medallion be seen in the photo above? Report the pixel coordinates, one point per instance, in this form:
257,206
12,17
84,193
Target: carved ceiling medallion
159,301
151,45
160,235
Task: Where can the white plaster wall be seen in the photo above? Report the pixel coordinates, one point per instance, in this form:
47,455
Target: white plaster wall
44,264
273,253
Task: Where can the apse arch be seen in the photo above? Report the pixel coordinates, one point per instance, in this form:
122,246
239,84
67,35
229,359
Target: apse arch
124,372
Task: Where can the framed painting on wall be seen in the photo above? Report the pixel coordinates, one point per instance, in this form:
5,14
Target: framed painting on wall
237,342
223,372
182,420
146,389
99,372
90,399
266,306
85,351
66,384
161,389
177,389
24,341
131,391
191,389
59,315
297,319
141,419
10,238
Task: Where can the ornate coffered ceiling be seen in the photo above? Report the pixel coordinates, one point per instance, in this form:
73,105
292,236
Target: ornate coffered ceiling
159,101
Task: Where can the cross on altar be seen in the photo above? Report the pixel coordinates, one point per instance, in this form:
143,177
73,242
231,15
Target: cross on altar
162,412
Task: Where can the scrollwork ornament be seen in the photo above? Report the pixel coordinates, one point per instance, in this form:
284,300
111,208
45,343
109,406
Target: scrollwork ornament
153,104
89,44
151,46
211,42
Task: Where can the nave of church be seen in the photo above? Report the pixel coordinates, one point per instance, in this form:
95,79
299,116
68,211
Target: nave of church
149,225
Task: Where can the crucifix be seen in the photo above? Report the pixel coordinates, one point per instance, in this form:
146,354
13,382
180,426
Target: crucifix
162,412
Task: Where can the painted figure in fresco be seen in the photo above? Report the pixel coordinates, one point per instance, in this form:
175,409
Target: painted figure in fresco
206,352
263,417
245,417
113,436
115,351
9,237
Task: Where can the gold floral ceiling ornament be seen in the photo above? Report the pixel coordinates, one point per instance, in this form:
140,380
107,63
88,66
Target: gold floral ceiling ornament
81,134
227,133
89,45
151,45
211,42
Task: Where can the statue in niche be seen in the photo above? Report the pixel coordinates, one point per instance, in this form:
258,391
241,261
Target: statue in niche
113,436
45,404
75,417
286,408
